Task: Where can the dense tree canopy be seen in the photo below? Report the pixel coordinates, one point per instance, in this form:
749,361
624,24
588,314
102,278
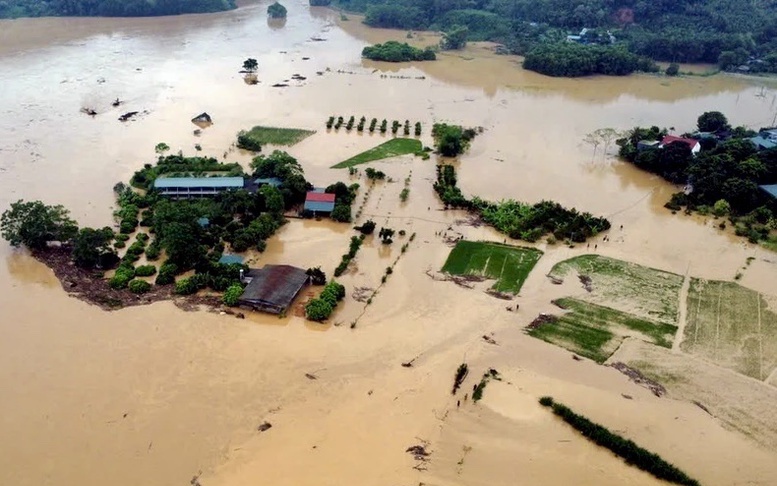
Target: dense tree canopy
570,59
723,178
109,8
34,224
393,51
665,30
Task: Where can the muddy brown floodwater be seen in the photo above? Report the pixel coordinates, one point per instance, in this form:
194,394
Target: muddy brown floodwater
157,396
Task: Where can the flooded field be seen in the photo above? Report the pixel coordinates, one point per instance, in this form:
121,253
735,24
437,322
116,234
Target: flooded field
156,396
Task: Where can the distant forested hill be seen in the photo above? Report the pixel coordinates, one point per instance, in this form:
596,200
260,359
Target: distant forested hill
728,32
109,8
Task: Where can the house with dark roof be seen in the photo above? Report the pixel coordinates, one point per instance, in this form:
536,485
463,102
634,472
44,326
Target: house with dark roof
191,187
319,202
693,144
272,288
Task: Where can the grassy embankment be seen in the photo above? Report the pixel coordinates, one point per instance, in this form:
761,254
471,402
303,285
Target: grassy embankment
620,446
731,326
596,331
276,136
508,265
391,148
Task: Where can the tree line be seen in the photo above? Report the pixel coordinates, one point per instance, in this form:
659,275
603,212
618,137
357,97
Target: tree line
109,8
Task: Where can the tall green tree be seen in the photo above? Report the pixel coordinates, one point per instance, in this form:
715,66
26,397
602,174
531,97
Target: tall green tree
712,121
92,247
34,224
250,65
455,38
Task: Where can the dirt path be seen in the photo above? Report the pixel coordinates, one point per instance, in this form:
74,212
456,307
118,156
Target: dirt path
682,317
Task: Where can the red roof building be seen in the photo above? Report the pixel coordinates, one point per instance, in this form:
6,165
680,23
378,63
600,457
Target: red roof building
691,143
319,202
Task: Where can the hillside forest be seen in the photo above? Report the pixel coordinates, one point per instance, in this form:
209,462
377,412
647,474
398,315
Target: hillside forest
735,35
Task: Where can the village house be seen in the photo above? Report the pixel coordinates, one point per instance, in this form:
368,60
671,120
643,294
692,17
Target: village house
272,288
693,144
319,202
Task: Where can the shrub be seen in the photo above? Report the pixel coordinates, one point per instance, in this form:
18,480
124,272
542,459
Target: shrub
246,142
186,286
318,310
546,401
673,69
261,246
167,273
121,237
145,270
366,228
128,226
153,251
342,267
341,213
461,373
232,294
418,129
122,277
119,244
139,286
477,394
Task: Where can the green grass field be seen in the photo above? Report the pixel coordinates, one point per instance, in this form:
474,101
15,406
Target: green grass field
391,148
278,136
731,326
508,265
595,331
646,292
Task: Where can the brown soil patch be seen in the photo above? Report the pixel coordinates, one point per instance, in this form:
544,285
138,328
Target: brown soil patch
90,286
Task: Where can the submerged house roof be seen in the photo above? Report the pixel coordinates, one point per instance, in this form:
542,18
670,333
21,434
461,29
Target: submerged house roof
273,287
321,202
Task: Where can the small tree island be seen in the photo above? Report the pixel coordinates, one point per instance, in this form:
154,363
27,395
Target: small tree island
393,51
276,11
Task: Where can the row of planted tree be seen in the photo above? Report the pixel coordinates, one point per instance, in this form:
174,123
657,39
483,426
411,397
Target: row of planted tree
338,122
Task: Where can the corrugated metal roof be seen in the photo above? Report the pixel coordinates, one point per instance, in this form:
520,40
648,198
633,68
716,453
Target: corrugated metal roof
190,182
320,197
319,206
762,142
770,189
275,285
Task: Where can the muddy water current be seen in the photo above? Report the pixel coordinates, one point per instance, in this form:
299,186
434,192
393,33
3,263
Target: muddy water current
155,395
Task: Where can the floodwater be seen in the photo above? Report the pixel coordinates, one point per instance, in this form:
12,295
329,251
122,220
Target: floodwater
156,396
